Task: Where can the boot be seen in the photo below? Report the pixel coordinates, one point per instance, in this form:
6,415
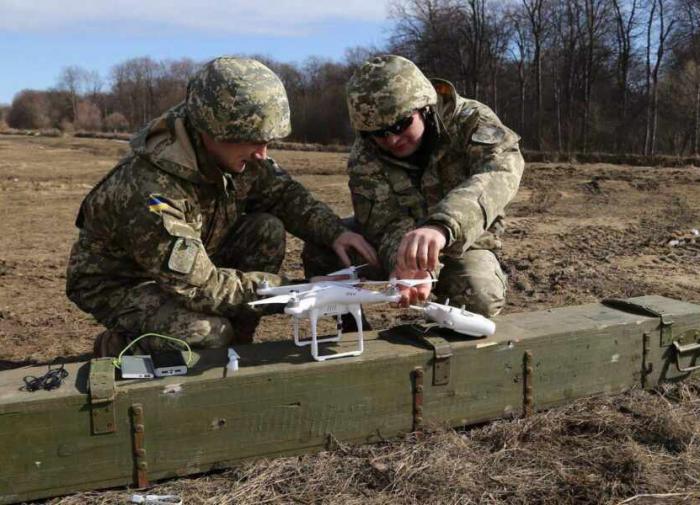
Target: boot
109,344
244,327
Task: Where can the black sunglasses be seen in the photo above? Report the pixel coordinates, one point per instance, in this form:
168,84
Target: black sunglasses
396,129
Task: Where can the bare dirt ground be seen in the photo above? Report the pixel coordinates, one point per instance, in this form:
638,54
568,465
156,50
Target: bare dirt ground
576,234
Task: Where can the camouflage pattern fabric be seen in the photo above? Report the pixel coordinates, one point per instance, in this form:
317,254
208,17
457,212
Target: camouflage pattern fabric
163,217
472,173
386,89
474,279
238,100
256,243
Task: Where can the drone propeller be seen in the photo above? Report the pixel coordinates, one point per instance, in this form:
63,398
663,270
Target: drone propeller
408,283
274,299
349,270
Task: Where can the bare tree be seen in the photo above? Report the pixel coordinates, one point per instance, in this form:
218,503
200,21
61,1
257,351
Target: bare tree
625,24
536,17
663,30
690,10
116,122
431,34
594,23
473,31
89,117
521,51
72,80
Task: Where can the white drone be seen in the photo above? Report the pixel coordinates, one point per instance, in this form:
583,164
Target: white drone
331,298
459,320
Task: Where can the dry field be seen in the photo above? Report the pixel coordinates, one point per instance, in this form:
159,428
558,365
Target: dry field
577,233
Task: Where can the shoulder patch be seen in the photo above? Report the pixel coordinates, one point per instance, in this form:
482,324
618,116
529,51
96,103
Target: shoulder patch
159,204
183,255
488,134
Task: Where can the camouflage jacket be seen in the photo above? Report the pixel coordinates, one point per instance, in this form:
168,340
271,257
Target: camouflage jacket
166,208
472,173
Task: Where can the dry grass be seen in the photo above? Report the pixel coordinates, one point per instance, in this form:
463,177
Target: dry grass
596,450
577,233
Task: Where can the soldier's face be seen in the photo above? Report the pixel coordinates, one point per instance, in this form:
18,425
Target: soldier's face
405,143
232,156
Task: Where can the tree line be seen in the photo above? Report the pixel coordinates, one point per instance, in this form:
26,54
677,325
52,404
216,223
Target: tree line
567,75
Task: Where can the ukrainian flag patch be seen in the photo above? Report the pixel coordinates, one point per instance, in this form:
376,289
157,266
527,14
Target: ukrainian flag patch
157,204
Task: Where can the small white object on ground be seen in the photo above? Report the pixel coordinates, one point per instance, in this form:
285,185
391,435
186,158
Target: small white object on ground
156,499
233,358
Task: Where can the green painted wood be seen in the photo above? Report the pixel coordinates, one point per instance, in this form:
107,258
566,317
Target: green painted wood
280,402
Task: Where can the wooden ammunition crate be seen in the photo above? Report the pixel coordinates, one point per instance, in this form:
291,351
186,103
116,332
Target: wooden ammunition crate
95,432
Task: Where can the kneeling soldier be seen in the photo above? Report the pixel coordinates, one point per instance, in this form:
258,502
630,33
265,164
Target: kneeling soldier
178,236
430,175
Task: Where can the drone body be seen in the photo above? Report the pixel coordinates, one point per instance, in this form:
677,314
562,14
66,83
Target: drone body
455,319
330,298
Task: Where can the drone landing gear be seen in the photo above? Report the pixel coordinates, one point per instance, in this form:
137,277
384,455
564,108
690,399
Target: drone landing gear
356,312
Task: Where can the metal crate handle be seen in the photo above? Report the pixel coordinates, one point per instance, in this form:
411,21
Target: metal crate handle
684,349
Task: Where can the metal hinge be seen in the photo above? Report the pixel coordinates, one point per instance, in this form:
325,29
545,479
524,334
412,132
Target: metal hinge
528,401
441,359
418,389
102,392
138,437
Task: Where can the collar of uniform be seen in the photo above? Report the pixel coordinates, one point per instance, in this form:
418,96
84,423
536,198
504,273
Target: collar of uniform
166,142
208,167
447,100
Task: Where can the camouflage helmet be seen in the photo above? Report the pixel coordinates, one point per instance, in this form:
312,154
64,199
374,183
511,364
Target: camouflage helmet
386,89
238,100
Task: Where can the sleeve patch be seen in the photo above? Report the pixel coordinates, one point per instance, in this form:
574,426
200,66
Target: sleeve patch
488,134
159,204
183,256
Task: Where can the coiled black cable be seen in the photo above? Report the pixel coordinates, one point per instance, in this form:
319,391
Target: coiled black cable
51,380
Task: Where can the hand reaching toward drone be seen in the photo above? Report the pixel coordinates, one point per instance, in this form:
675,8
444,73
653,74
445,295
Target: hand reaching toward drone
351,240
420,249
411,295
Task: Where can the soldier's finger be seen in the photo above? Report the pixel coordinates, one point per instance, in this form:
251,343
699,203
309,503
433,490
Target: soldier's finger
423,292
367,252
422,253
433,253
405,299
400,260
415,296
410,254
343,255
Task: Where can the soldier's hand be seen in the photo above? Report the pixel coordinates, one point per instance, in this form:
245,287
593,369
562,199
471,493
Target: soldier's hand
415,294
350,240
420,249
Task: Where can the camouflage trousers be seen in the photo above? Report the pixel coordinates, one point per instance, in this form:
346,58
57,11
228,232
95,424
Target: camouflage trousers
255,243
474,280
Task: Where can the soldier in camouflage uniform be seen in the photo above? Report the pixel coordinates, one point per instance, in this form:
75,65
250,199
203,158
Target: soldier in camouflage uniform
430,175
178,236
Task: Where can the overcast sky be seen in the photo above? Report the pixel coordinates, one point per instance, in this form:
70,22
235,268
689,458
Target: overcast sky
39,37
